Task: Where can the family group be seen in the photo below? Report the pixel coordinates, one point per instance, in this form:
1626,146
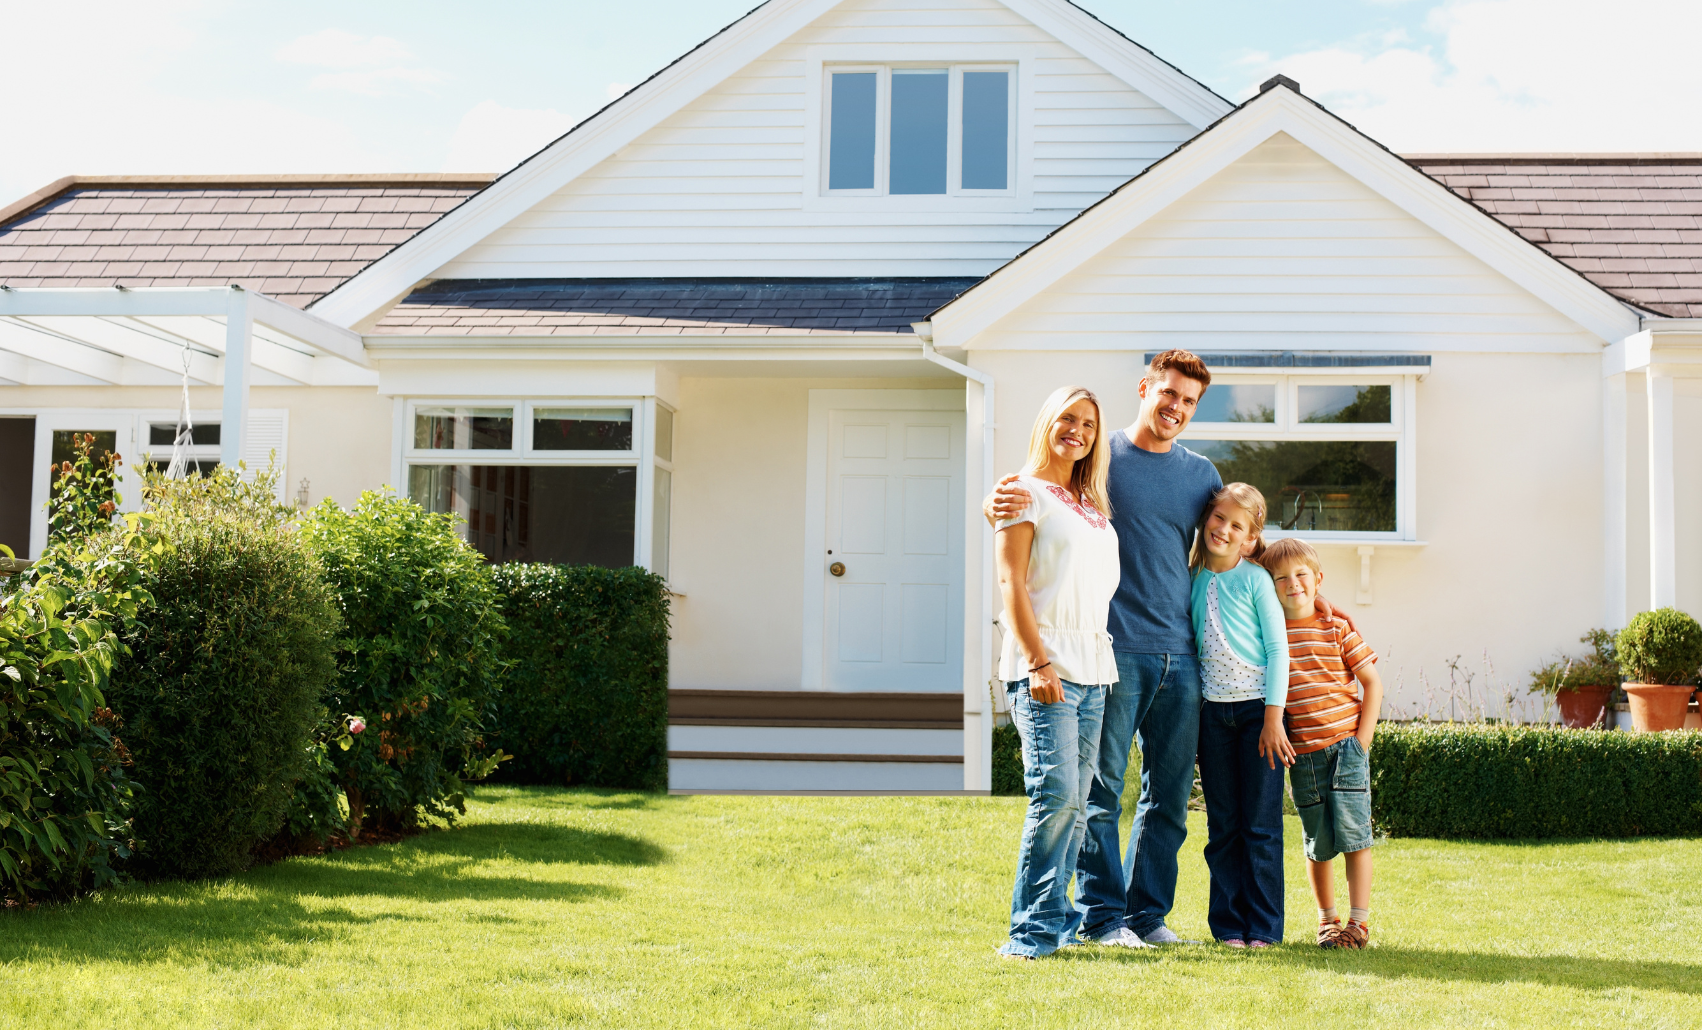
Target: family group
1143,606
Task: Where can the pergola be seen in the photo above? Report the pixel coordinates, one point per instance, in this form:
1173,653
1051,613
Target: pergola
230,337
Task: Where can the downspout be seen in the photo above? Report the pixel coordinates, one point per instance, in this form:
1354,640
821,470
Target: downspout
977,700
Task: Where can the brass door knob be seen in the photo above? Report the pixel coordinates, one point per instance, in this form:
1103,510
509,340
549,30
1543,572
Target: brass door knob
837,568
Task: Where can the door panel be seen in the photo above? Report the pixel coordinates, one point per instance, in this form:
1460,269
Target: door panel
894,617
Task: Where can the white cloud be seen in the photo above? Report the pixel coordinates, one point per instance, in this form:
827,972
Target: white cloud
334,48
615,90
1519,75
495,138
379,82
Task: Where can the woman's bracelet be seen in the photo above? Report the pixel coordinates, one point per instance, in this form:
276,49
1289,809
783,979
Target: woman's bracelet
1042,665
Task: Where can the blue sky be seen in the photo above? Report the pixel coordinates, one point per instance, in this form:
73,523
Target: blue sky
187,86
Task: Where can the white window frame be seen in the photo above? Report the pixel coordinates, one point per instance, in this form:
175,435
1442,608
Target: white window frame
1401,429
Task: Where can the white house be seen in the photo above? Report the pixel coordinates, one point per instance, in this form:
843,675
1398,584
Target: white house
770,323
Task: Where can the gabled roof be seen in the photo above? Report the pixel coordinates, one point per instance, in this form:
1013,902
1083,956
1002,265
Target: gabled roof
1630,223
1280,109
686,79
292,237
667,307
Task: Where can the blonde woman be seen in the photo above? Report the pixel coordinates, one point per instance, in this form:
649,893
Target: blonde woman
1058,567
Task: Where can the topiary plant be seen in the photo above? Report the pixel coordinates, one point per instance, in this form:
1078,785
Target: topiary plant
1663,646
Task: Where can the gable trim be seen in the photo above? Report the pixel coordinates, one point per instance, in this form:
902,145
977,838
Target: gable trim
1280,110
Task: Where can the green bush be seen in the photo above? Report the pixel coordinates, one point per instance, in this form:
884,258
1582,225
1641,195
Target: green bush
586,699
418,657
1662,646
225,675
1007,761
1500,782
1599,668
64,792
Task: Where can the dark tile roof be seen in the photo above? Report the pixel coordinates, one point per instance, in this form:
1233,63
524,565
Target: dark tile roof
1631,223
668,307
294,239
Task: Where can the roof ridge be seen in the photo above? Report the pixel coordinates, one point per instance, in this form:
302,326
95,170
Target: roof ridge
1560,157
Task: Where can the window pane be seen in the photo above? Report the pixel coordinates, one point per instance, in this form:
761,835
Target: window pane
574,516
1330,486
64,448
582,429
206,434
664,433
1251,403
918,154
659,523
986,130
851,146
1358,404
464,429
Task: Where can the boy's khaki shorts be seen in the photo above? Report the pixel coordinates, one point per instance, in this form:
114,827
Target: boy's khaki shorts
1332,791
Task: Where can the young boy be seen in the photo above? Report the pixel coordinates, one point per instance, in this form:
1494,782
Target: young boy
1330,728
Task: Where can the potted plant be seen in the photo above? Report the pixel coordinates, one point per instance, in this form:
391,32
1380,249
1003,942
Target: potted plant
1659,653
1581,686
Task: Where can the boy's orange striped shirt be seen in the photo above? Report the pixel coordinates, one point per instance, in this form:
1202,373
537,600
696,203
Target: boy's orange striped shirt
1323,700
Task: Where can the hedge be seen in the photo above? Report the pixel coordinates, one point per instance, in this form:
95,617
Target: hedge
586,698
1007,761
1496,782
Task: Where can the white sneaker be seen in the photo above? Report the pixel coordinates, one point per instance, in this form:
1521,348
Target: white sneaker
1123,937
1162,935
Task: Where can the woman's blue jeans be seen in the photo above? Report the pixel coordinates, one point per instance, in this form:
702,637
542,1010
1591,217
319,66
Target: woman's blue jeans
1060,747
1243,823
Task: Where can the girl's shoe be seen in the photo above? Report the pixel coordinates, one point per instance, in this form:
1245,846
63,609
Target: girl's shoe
1355,935
1330,933
1258,944
1233,942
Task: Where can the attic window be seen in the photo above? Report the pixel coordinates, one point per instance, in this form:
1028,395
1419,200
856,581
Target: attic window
919,130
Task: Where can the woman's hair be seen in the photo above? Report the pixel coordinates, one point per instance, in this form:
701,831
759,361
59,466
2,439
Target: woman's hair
1087,478
1246,497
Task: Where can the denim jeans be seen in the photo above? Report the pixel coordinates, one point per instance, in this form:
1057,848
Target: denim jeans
1060,744
1157,702
1243,822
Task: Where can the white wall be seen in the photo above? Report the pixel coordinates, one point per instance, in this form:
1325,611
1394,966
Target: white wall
721,183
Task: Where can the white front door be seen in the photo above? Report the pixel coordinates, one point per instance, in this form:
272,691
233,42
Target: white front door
894,543
113,430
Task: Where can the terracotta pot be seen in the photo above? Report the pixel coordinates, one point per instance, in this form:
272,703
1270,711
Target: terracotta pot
1581,707
1656,707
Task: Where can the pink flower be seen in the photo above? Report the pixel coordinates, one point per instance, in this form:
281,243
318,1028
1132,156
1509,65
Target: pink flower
357,724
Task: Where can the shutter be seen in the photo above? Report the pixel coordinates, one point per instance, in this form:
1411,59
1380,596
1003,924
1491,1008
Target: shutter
268,431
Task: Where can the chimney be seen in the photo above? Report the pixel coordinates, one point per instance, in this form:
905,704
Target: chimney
1279,80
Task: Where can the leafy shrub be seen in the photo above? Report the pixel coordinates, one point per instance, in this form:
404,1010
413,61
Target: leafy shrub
1007,761
1498,782
1599,668
64,793
418,657
225,675
586,699
1662,646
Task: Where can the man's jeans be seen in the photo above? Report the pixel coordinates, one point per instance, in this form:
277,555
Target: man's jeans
1243,823
1060,745
1157,697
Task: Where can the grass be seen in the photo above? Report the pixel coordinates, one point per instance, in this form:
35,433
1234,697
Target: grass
554,907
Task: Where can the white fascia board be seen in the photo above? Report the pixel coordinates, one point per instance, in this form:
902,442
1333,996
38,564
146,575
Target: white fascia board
558,164
1128,61
326,337
148,300
1280,110
393,352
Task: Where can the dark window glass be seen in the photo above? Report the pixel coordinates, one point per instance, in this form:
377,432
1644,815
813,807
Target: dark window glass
1328,486
851,144
205,434
64,449
582,429
464,429
986,130
574,516
917,159
1347,403
1250,403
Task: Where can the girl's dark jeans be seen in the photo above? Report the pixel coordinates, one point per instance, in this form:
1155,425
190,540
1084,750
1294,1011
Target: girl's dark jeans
1243,822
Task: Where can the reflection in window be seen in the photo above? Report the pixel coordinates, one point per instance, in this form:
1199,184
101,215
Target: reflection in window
580,515
1236,403
1347,403
64,449
201,434
986,130
664,433
851,140
918,143
659,523
1323,486
582,429
464,429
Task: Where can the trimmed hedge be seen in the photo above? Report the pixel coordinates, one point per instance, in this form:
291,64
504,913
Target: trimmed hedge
1496,782
586,699
1007,761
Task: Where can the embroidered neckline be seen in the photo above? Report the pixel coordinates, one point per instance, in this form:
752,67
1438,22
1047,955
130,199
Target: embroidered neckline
1094,519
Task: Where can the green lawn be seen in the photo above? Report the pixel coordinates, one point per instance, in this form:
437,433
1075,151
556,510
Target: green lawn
554,907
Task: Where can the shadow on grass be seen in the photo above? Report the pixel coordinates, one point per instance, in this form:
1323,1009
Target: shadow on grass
534,842
1589,974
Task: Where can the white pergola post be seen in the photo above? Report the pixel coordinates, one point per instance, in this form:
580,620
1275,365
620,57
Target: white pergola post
1663,515
238,372
1614,479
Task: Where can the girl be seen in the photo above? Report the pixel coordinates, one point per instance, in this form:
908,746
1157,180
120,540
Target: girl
1058,568
1243,644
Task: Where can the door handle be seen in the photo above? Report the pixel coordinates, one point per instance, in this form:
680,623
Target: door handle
837,568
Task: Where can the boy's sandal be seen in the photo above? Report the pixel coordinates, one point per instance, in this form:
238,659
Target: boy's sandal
1330,934
1355,935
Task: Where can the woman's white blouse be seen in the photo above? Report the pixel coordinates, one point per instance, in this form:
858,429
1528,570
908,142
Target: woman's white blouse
1073,571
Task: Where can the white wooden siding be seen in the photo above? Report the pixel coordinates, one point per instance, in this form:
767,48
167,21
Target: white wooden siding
1284,250
719,187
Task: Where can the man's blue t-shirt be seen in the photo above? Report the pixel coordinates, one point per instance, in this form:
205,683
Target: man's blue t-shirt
1156,500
